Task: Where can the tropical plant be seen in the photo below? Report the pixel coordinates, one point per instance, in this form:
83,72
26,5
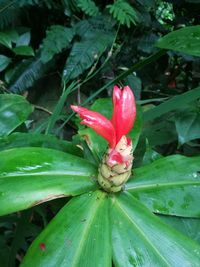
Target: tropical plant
125,223
124,191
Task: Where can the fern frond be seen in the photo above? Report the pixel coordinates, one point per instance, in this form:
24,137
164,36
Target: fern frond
97,35
123,12
58,37
100,27
82,56
10,9
26,74
88,7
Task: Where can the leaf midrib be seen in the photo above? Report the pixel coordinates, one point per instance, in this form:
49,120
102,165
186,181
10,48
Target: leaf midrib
158,186
142,234
47,174
85,234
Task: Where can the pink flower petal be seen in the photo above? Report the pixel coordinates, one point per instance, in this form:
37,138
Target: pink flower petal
124,112
98,123
115,158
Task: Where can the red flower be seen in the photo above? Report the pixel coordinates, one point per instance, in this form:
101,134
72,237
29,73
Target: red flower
124,114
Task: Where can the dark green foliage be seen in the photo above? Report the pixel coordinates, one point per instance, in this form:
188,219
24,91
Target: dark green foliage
123,12
58,53
88,7
57,39
25,75
9,13
96,37
82,56
10,10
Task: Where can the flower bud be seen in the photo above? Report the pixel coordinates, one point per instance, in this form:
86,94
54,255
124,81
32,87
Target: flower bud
113,175
115,168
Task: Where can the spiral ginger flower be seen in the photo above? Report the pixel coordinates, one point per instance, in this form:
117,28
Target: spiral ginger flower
115,168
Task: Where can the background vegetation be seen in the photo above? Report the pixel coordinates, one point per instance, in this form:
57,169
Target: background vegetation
57,53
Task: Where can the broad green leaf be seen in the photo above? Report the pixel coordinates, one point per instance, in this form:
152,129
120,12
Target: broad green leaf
95,142
5,39
185,40
14,110
150,155
78,236
171,104
137,127
188,226
30,176
135,83
12,34
141,239
38,140
23,50
169,185
160,132
4,62
187,125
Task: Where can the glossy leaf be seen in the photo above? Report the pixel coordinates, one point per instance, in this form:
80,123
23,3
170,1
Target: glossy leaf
150,155
169,185
5,39
171,104
30,176
4,62
38,140
137,127
23,50
188,226
139,238
14,110
187,125
135,83
96,143
160,132
78,236
185,40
